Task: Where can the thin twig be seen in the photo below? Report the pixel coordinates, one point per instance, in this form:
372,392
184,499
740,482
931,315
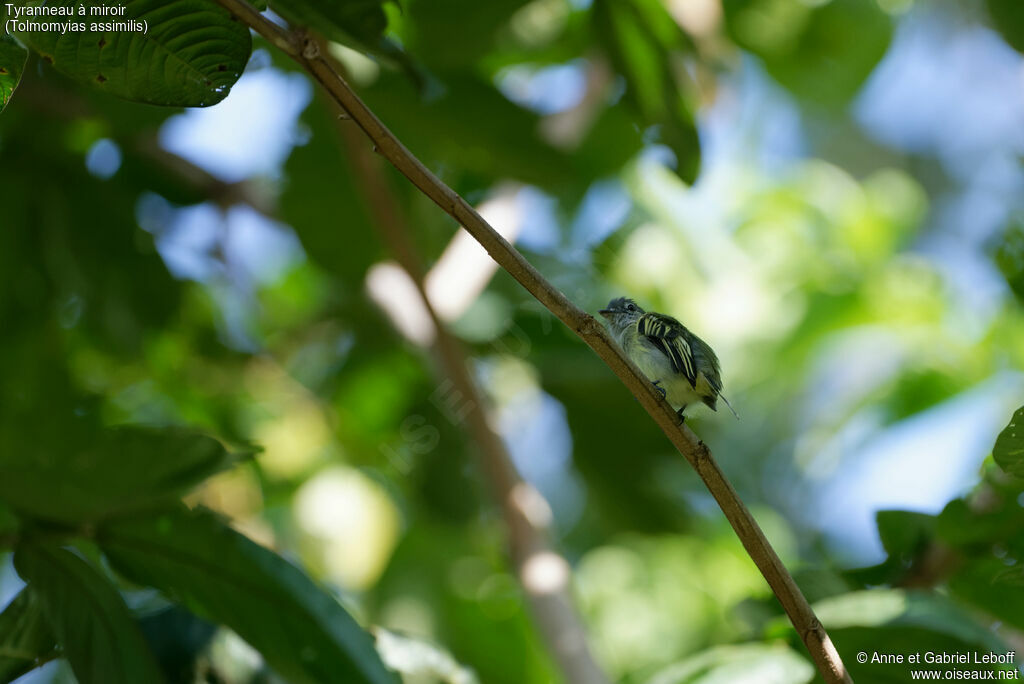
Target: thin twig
528,533
807,625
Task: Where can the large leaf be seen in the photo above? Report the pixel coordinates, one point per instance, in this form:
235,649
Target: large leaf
80,235
321,200
644,40
360,23
25,639
357,23
480,25
1009,449
821,51
90,621
124,469
493,138
12,63
993,586
879,608
742,664
892,621
1009,255
904,533
178,640
193,557
1008,17
185,53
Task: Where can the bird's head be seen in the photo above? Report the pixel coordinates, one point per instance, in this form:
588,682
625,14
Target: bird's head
621,313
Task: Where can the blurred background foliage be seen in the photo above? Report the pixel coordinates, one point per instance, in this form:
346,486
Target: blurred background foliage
830,193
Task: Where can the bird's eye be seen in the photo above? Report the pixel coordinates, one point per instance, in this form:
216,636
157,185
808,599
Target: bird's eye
631,307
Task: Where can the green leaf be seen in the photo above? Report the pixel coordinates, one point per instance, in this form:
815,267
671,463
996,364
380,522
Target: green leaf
178,639
90,621
25,639
822,52
879,608
993,586
123,469
761,663
1008,18
644,42
480,26
321,200
904,532
9,524
1009,256
1009,449
183,53
12,63
492,139
999,521
194,558
893,621
358,23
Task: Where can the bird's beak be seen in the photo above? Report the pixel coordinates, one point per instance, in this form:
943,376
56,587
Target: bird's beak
607,313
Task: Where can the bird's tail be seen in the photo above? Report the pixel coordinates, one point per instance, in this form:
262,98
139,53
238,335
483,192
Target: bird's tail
722,397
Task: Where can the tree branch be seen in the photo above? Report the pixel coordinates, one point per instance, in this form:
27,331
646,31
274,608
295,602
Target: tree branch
523,508
307,54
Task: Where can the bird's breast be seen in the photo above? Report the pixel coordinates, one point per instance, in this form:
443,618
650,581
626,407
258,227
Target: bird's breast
658,368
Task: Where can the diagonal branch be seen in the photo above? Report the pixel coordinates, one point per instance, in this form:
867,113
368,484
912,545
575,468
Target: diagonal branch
542,573
808,627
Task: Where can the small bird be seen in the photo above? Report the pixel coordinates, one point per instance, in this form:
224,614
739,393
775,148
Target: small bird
681,365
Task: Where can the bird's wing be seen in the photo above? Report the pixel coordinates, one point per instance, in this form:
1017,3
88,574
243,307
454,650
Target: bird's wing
705,359
665,333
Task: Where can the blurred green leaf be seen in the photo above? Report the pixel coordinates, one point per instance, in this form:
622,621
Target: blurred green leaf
919,389
177,639
479,27
904,533
997,522
322,200
893,621
1008,451
359,23
644,42
90,621
123,469
1008,17
1009,257
189,53
742,664
25,639
993,585
896,607
85,262
821,51
195,558
12,63
492,138
8,527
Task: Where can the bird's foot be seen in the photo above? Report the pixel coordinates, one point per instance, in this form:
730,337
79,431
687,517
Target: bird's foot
657,386
682,418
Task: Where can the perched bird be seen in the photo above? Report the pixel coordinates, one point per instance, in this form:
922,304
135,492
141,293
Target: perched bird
680,364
